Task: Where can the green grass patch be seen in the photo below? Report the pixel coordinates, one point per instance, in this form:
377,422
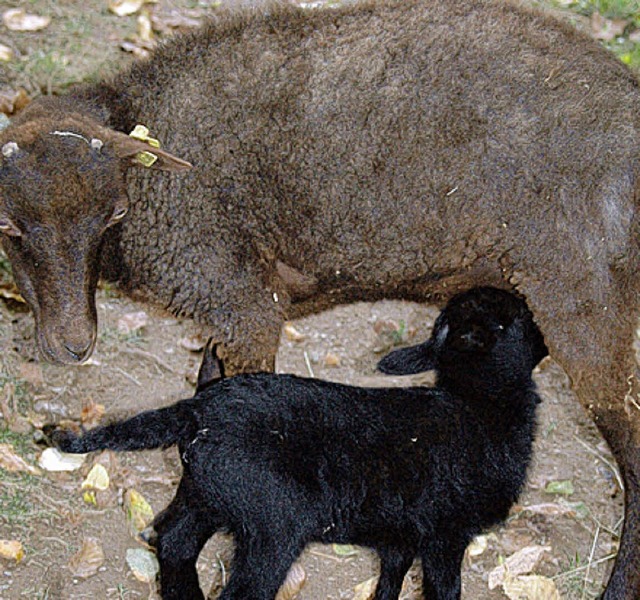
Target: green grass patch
611,9
111,336
625,10
22,443
16,498
20,393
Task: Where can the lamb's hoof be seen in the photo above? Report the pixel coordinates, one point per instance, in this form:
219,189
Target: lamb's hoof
149,536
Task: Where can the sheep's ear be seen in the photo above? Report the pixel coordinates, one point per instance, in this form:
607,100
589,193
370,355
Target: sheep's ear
211,368
140,153
411,360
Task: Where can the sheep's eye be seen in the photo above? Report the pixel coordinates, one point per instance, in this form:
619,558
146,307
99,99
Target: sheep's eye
118,214
8,228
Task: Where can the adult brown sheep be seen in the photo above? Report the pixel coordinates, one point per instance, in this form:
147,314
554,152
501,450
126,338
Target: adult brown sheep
398,149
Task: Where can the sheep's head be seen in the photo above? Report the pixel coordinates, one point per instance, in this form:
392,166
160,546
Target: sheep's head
485,332
61,188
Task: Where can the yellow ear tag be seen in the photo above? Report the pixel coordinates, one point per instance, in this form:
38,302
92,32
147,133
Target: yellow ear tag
140,132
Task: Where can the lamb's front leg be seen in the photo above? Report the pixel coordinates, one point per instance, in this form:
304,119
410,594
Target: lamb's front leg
441,564
394,564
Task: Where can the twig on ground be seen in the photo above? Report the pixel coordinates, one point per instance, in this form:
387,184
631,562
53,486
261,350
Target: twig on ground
144,354
599,456
308,363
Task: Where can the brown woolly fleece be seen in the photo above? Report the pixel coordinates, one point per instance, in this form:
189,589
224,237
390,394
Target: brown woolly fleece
397,149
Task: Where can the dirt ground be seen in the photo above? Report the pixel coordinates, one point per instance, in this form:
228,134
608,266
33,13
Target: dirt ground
578,524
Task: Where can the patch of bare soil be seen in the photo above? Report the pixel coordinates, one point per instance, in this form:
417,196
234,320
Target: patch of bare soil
149,367
572,531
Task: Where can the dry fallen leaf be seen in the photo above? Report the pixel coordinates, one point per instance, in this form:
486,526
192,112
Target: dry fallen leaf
16,19
97,479
169,21
11,550
88,559
193,343
138,48
331,360
91,413
365,590
530,587
292,333
145,31
10,461
520,563
296,579
11,293
132,322
139,513
123,8
390,333
563,487
478,545
52,459
6,53
143,564
345,550
607,29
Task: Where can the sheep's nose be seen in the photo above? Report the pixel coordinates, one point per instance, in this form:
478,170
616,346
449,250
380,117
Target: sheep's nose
78,352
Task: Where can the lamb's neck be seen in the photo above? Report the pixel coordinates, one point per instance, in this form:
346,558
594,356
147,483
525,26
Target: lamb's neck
503,400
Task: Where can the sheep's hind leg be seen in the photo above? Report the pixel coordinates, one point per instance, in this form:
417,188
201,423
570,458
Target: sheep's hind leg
394,565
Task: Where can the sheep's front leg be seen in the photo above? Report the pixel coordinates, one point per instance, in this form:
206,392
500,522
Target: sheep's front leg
394,564
253,343
589,329
619,424
248,332
234,295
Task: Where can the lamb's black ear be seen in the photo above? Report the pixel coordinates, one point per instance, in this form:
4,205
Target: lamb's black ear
407,361
211,368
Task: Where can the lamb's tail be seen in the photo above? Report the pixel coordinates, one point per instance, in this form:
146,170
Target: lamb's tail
151,429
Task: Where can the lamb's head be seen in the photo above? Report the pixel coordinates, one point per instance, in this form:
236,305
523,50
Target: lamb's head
485,336
61,188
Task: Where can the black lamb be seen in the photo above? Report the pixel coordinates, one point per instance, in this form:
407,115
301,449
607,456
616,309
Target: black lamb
280,461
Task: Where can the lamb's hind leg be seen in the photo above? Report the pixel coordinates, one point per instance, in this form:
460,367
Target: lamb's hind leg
181,533
260,566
